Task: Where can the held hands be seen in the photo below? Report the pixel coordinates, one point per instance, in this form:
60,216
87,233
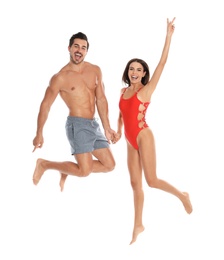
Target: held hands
117,137
170,26
112,136
109,133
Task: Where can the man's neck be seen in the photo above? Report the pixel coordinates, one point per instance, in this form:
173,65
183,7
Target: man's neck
76,66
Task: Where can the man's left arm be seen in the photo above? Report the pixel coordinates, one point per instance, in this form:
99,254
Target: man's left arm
102,108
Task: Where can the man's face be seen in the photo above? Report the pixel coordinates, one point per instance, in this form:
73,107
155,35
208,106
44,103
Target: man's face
78,51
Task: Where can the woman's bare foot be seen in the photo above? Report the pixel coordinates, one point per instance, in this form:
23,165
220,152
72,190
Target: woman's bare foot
187,203
38,172
136,232
62,181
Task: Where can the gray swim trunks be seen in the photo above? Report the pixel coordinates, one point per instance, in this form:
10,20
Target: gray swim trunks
84,135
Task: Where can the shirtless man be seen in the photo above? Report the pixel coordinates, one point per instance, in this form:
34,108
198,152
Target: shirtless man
80,85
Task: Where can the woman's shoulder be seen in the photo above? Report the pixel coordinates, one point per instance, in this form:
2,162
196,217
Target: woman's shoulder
123,90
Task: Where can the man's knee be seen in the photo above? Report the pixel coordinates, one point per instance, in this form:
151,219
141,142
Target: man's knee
85,174
85,171
110,165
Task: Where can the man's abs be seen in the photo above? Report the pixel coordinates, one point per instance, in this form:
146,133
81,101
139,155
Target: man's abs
80,105
87,113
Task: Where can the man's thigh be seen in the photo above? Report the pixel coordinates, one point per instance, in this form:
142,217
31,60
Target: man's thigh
105,157
84,161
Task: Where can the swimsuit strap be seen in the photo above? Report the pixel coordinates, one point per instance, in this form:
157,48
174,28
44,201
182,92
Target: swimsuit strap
139,89
135,92
123,91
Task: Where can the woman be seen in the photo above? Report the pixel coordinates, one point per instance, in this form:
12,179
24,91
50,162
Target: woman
141,154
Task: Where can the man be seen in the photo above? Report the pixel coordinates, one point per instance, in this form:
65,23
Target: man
80,85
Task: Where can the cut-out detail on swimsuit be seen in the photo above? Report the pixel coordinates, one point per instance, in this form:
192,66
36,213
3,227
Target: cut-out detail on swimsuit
141,115
133,112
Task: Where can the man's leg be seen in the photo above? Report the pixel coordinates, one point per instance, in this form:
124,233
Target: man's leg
105,163
82,168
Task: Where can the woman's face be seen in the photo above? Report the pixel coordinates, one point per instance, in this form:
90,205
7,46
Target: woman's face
136,72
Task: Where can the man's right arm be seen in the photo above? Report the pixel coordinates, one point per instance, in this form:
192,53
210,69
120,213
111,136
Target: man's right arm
49,97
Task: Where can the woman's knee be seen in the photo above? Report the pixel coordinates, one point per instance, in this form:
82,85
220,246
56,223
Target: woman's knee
153,183
136,184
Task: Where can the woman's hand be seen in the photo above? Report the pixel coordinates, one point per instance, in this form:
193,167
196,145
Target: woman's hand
170,26
117,137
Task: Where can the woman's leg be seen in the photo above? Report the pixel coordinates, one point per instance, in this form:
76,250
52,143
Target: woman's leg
148,158
135,171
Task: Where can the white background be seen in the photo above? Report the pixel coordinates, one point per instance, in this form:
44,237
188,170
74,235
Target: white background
93,217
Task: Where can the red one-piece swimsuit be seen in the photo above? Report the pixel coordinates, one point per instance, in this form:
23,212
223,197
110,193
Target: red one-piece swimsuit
129,109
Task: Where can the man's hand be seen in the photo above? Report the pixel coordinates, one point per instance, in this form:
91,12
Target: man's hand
38,142
110,135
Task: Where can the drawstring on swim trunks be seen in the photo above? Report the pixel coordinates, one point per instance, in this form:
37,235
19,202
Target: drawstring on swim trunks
94,120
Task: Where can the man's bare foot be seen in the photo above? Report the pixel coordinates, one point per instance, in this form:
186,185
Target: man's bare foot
62,181
136,232
38,172
187,203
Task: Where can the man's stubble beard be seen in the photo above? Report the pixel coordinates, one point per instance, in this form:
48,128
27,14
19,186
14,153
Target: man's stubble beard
75,62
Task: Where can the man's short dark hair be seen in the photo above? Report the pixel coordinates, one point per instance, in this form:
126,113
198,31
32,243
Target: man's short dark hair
78,35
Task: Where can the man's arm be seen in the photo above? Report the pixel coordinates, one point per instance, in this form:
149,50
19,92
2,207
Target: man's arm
102,108
49,97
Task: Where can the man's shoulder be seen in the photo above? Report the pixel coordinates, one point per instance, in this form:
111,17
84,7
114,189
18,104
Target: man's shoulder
91,69
62,72
92,65
60,75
